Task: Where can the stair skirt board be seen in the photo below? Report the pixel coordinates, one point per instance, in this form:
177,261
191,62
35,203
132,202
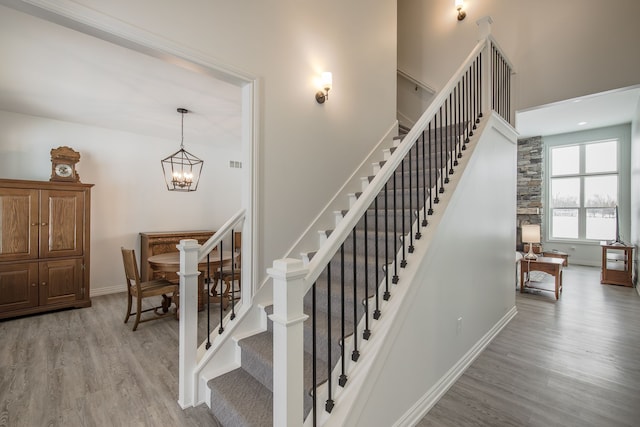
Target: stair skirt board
431,397
243,396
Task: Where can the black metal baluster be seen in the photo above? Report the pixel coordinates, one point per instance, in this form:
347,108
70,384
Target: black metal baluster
465,106
208,345
472,120
436,156
478,88
343,376
474,85
420,206
496,88
429,152
219,292
395,229
455,124
445,142
367,332
386,295
403,234
355,354
480,73
449,127
417,195
459,142
443,166
376,312
504,86
410,249
328,406
314,387
233,274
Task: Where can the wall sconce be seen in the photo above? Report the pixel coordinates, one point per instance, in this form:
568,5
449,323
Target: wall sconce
326,82
461,13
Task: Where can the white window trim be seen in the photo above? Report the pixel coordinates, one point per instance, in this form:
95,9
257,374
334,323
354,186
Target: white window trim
621,133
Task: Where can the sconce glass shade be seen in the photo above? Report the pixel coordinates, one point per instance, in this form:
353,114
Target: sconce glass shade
459,4
327,80
182,171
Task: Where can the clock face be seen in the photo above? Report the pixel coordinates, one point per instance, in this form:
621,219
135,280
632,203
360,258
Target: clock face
64,171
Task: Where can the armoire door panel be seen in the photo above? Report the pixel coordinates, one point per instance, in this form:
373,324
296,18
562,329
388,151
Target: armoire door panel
18,286
60,281
18,224
62,224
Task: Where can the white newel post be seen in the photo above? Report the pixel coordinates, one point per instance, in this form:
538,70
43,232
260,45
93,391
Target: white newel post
484,33
188,320
288,346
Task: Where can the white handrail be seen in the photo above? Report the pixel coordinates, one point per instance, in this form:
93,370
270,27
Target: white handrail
220,234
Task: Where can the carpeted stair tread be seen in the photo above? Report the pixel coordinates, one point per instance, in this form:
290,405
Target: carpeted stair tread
239,400
257,357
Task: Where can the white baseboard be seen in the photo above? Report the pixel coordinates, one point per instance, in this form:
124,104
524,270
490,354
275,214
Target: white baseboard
106,290
431,397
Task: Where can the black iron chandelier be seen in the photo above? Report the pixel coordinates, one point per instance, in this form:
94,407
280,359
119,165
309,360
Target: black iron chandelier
182,169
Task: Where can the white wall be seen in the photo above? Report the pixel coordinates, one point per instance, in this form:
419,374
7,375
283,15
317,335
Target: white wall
129,195
468,272
561,49
306,150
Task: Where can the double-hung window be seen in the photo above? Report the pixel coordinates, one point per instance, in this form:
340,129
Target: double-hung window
583,190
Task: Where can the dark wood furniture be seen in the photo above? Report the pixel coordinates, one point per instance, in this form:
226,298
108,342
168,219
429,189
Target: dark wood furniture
232,272
552,266
170,263
617,265
557,254
141,290
44,246
155,243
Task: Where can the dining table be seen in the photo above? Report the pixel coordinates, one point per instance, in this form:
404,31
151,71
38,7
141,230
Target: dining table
170,262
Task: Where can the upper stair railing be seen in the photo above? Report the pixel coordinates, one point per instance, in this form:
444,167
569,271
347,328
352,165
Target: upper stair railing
356,267
202,270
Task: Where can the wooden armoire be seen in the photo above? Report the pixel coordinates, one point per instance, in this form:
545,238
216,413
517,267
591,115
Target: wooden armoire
44,246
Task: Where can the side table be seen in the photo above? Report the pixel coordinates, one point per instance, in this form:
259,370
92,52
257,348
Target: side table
617,265
552,266
557,254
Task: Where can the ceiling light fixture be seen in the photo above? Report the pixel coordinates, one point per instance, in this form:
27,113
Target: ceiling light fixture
182,169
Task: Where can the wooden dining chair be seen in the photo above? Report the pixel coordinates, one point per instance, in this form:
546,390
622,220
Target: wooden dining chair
141,290
230,275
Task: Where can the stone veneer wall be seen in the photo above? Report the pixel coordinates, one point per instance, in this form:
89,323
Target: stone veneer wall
530,184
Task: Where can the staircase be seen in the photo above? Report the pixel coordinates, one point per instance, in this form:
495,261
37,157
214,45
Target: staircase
358,266
243,397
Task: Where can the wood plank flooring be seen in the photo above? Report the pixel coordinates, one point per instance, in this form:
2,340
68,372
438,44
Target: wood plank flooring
571,362
85,367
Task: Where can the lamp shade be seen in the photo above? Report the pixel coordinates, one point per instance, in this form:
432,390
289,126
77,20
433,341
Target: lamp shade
531,233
